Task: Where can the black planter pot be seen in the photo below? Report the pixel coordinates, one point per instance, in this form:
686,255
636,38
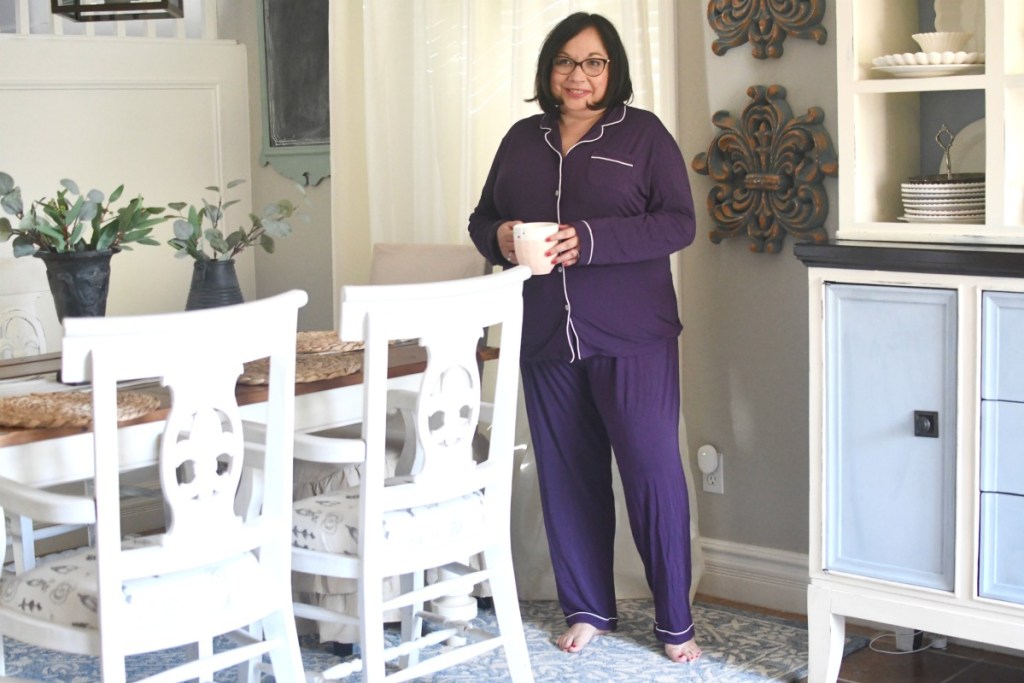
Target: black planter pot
214,283
79,281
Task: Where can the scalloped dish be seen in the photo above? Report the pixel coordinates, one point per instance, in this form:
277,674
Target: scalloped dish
929,58
922,70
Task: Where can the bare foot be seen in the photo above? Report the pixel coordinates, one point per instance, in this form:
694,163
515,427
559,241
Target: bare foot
684,652
578,636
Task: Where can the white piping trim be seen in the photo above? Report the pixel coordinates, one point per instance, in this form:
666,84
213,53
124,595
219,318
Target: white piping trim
591,614
673,633
590,230
570,329
614,161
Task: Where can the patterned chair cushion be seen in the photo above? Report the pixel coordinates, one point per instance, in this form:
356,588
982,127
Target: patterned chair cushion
62,588
330,523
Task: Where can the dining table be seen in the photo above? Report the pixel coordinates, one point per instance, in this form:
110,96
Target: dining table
48,456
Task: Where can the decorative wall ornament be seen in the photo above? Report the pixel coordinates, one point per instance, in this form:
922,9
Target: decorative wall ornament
765,23
768,169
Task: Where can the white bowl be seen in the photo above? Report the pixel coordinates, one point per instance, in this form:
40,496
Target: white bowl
942,41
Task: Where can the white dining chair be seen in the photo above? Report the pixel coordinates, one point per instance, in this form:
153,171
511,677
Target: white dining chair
450,508
29,327
28,319
390,263
211,572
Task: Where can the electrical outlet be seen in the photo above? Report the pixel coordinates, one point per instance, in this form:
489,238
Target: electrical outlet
714,482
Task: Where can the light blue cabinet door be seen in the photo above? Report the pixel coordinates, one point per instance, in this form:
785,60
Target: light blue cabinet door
1002,371
890,364
1002,547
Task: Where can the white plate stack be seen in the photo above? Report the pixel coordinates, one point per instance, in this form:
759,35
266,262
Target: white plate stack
956,198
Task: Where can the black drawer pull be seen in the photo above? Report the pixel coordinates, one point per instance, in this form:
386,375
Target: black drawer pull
926,423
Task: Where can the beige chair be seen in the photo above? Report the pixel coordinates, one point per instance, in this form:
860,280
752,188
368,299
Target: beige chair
211,573
450,508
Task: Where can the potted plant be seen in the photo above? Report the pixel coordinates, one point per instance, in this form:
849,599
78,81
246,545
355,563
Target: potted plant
198,234
76,235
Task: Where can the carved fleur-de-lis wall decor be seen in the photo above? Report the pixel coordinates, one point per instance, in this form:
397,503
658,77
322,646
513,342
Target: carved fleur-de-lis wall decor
768,169
765,23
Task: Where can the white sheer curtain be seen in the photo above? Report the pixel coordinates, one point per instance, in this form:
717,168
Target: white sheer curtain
444,79
441,82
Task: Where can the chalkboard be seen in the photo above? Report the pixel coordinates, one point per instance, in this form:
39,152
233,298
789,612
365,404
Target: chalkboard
295,65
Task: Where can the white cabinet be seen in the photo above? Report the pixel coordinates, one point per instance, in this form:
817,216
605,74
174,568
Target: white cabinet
916,443
880,115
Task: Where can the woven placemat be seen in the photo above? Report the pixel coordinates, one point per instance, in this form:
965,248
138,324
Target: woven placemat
323,341
308,367
68,408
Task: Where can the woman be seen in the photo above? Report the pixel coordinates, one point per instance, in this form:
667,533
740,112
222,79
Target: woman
600,337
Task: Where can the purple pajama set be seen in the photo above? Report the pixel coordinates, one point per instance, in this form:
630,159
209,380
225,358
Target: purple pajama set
600,350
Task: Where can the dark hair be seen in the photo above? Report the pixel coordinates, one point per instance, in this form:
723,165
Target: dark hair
620,87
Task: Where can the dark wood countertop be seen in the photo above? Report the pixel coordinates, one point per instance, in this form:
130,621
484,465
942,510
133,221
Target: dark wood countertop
990,261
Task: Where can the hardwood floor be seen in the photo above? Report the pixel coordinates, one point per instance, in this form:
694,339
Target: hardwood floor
877,663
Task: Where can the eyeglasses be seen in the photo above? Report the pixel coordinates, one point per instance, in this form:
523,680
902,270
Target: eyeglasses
592,66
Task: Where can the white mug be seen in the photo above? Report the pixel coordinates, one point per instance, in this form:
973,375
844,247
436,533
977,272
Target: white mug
531,243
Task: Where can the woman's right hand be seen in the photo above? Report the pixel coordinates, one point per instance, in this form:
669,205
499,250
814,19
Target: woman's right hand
506,241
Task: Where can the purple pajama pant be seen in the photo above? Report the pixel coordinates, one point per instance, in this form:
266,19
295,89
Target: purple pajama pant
578,413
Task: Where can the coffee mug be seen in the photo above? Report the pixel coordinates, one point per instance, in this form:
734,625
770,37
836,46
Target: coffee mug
531,243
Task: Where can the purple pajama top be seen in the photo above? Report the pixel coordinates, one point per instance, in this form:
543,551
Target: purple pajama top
625,189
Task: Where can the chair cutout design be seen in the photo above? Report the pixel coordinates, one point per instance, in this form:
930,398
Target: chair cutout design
211,573
451,508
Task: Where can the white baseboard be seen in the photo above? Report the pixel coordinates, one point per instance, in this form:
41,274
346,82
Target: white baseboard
764,577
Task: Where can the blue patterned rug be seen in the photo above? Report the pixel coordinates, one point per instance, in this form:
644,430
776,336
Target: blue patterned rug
739,647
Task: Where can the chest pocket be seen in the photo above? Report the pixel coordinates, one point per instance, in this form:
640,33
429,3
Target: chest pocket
611,172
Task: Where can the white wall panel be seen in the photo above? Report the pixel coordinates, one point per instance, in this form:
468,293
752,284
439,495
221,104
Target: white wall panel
164,118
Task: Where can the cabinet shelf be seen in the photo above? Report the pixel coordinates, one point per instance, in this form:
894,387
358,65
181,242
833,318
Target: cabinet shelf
935,83
932,233
887,124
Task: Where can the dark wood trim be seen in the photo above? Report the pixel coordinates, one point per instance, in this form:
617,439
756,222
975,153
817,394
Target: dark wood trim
914,258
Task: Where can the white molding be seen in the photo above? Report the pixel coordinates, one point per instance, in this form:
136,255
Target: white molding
763,577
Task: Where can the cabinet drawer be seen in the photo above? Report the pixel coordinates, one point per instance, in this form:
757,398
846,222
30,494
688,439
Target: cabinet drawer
1001,562
1002,447
1002,373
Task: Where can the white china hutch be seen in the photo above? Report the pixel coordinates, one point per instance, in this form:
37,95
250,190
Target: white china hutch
917,353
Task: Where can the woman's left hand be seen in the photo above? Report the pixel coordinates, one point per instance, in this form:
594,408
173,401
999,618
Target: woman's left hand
566,248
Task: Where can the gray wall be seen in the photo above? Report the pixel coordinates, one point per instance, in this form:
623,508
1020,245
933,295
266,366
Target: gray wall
745,360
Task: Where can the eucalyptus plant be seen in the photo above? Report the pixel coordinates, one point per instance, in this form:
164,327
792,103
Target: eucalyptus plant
71,222
198,233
